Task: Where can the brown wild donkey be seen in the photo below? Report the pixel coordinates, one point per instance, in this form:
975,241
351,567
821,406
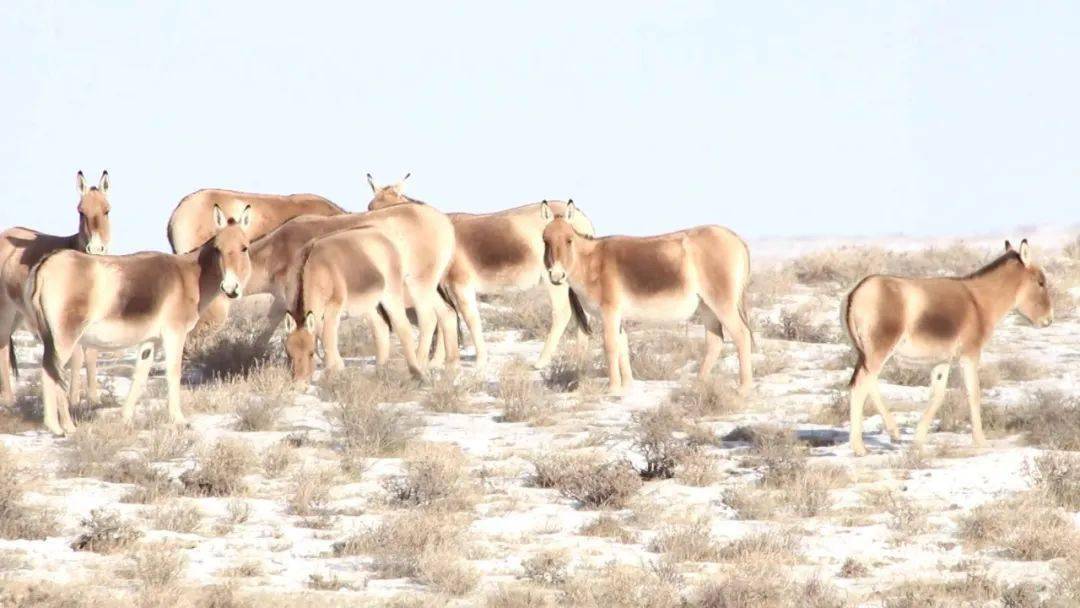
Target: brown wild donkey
940,320
143,299
665,277
497,251
358,271
192,224
20,250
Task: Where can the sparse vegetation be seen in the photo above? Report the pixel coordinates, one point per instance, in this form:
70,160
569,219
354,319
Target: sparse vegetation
157,565
1024,527
94,445
310,491
797,325
521,396
105,532
1058,475
705,398
450,391
436,477
220,470
592,482
620,586
182,517
18,519
546,567
689,541
606,526
402,545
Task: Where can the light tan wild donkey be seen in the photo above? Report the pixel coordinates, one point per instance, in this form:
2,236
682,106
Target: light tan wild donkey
938,320
500,251
665,277
358,271
192,224
143,299
423,236
20,250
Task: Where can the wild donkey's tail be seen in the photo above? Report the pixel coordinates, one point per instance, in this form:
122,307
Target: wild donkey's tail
448,297
50,363
743,303
579,312
853,335
11,357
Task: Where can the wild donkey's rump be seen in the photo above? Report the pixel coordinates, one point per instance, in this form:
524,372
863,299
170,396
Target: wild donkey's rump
939,320
358,271
143,299
666,277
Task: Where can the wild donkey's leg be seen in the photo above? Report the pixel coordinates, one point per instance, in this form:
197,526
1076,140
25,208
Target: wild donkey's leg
55,398
144,360
395,311
939,381
860,386
738,331
970,367
714,343
75,367
448,327
8,318
466,298
381,334
886,415
612,343
173,343
624,360
426,319
331,323
90,359
274,317
560,318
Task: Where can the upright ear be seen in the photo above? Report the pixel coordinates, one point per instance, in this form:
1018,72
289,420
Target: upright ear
80,182
371,182
309,321
570,209
245,218
1025,253
103,183
407,176
1008,246
290,323
545,211
220,221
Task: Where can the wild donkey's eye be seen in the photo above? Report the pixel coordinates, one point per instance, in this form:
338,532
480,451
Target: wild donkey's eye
244,250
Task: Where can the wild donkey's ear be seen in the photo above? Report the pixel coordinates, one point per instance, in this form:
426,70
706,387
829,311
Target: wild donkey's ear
80,182
245,218
220,221
290,323
545,210
1025,253
103,183
309,321
1008,246
371,182
570,209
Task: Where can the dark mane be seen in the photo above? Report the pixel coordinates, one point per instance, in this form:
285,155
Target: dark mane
1003,259
298,304
414,201
587,237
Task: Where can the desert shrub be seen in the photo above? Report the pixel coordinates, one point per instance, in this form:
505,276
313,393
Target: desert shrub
400,543
620,586
220,469
797,325
705,398
567,373
1023,526
105,532
352,386
277,458
659,439
259,414
94,445
436,476
592,482
971,590
157,565
368,429
310,491
520,395
847,265
1019,369
178,518
528,312
518,596
1051,420
760,547
689,541
767,285
662,355
606,526
221,596
697,468
232,351
546,567
167,443
17,519
906,517
446,572
766,587
450,392
853,568
151,484
834,413
1058,475
750,502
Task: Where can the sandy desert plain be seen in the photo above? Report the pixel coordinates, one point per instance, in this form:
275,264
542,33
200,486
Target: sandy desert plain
513,488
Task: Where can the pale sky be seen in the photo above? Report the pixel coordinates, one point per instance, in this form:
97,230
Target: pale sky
798,118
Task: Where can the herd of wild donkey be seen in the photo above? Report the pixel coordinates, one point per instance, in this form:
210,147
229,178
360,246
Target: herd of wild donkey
319,261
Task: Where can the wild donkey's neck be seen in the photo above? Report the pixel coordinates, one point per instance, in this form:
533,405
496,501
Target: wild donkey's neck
995,291
585,254
202,264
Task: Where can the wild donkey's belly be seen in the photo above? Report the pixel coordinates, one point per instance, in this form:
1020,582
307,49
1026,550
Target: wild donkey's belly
116,335
671,306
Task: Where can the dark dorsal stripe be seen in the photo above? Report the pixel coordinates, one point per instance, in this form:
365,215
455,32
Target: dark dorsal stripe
1002,260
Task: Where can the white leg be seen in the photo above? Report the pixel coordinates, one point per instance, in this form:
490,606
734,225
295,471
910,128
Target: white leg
381,334
144,360
613,351
970,368
886,415
561,312
939,381
331,322
173,343
470,311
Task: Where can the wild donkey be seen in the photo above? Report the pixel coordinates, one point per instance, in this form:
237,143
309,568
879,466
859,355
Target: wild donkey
940,320
191,224
20,250
143,299
497,251
422,235
359,271
666,277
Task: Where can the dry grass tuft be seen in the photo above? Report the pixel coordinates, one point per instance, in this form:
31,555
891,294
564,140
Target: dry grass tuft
691,541
94,445
518,596
853,568
230,352
167,443
620,586
365,427
1058,476
521,396
221,469
151,484
181,517
592,482
259,414
527,312
17,519
436,477
752,503
971,590
766,587
352,386
450,392
663,354
606,526
277,458
1024,526
105,532
310,491
760,547
797,325
705,398
547,567
157,565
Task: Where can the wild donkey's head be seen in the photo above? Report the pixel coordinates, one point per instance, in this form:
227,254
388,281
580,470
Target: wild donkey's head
300,346
559,255
387,196
231,247
94,230
1033,296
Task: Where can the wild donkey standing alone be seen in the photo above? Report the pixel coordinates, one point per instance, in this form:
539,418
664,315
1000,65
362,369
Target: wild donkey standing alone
143,299
940,320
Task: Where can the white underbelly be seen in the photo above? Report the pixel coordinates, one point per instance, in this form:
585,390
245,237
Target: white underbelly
115,335
666,308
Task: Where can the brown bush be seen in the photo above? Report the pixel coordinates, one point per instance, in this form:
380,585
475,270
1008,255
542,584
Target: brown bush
17,519
797,325
521,396
105,532
606,526
400,543
591,482
618,586
436,477
705,398
1058,475
1025,527
546,567
220,469
688,541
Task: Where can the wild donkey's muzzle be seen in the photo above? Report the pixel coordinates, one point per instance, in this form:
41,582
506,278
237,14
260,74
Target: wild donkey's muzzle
96,246
231,287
